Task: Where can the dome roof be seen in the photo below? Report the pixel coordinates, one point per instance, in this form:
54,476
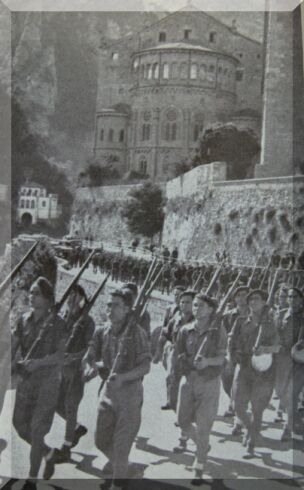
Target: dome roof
180,45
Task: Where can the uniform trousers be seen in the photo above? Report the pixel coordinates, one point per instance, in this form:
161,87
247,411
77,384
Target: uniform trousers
35,406
70,396
197,408
250,386
173,376
289,384
118,422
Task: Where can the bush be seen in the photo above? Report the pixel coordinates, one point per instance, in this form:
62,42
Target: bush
217,228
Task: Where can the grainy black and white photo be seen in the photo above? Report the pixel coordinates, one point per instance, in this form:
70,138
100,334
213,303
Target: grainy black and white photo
152,245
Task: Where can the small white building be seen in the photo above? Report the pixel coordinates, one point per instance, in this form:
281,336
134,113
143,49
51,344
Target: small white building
34,204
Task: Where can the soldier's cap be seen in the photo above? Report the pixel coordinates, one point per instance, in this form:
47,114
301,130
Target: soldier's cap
212,302
45,288
240,289
260,292
131,286
188,292
179,285
297,290
125,294
79,290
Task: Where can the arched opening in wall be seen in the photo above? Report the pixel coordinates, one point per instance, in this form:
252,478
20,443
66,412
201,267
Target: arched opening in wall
162,37
165,71
22,203
33,204
142,71
121,136
198,125
193,71
150,72
212,37
155,70
143,166
101,135
146,130
170,126
26,219
27,204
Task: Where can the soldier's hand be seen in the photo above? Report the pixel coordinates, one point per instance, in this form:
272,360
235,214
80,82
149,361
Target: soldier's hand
89,373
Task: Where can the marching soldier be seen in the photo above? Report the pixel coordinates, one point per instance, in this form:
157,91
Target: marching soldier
72,384
144,321
38,389
241,310
122,346
181,317
250,385
289,372
199,389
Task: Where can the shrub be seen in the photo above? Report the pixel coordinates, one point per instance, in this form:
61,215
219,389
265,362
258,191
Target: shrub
272,234
283,218
234,214
270,214
217,229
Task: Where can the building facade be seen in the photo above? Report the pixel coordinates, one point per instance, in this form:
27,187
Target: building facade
35,205
159,88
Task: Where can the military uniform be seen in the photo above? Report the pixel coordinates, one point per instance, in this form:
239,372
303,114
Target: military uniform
199,390
37,392
119,412
289,374
249,385
72,385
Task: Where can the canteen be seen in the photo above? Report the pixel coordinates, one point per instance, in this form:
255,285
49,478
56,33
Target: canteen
261,362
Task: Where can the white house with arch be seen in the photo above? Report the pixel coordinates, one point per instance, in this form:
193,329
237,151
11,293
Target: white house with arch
35,205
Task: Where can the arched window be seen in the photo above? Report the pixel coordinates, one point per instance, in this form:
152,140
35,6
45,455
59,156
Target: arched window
33,204
43,204
22,203
150,72
155,70
101,134
165,71
193,71
183,71
135,64
121,135
197,130
174,70
111,135
143,166
173,132
212,37
27,204
146,130
162,37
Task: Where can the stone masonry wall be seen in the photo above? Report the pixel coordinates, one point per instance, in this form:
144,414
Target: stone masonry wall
247,218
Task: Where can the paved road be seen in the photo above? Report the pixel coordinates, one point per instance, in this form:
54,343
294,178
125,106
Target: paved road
152,455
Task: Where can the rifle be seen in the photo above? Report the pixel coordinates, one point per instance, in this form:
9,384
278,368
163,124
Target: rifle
54,310
214,278
14,272
249,283
265,274
198,280
208,346
85,311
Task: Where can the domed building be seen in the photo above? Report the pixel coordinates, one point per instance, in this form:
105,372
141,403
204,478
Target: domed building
172,83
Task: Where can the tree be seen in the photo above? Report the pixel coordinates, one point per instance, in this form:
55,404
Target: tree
144,211
225,142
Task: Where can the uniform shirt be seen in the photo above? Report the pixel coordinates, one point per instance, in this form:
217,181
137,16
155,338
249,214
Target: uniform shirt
169,314
174,326
244,336
189,341
82,335
290,329
229,318
104,346
27,331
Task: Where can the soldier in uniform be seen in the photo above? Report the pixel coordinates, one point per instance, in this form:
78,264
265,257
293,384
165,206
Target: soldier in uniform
122,347
72,384
241,310
144,321
38,389
169,335
199,389
289,373
250,385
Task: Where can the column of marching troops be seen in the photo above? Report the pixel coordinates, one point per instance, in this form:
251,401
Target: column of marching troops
239,326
